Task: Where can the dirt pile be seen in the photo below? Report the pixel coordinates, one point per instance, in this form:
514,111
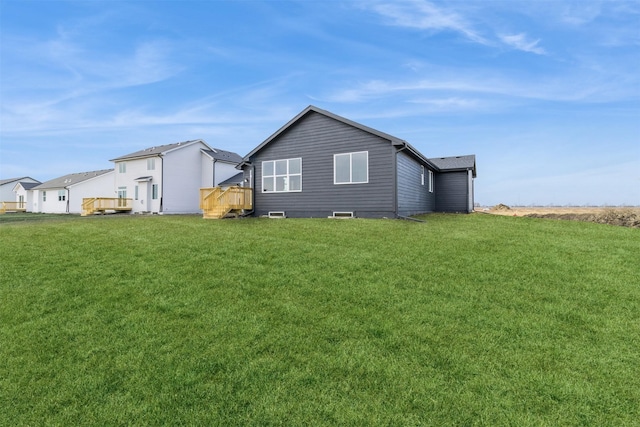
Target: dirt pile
620,217
500,207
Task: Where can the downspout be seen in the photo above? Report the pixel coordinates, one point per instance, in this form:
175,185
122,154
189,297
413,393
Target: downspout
395,181
469,191
161,195
253,192
68,197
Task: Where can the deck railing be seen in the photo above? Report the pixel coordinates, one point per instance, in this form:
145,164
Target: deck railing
92,205
13,207
218,203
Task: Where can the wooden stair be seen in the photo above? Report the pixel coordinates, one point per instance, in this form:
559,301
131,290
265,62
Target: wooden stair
217,203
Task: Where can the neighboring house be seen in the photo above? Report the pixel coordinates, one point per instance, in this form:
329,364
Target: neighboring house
65,194
320,164
236,180
24,195
168,178
7,185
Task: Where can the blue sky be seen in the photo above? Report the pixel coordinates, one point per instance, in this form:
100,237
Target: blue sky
546,94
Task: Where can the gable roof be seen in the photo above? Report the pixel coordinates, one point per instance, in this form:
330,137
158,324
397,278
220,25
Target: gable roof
159,150
70,179
223,155
236,179
456,163
10,180
27,185
311,108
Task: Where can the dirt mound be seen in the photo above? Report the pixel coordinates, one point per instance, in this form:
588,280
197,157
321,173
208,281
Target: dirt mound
620,217
500,207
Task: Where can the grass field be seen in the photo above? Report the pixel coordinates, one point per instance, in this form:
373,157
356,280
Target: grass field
460,320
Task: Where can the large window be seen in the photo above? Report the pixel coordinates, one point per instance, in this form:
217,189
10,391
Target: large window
351,168
61,195
122,167
151,164
280,176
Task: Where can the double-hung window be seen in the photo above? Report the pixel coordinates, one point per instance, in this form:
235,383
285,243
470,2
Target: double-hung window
151,164
61,195
122,167
282,176
351,168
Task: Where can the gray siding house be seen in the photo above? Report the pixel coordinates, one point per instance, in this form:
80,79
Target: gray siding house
322,165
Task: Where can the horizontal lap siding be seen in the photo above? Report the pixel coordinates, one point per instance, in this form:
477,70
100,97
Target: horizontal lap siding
316,138
452,192
413,197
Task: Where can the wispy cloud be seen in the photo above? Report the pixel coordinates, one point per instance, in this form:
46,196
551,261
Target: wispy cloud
520,42
429,17
424,15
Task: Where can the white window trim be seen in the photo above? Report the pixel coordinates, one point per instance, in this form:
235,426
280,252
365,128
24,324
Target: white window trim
422,174
350,168
430,181
287,175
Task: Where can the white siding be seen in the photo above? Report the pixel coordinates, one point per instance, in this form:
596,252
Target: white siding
6,190
51,204
224,171
182,179
100,186
137,168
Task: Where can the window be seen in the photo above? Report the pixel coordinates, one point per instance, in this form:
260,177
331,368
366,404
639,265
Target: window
430,181
44,196
61,196
154,191
422,175
280,176
351,168
151,164
122,167
135,192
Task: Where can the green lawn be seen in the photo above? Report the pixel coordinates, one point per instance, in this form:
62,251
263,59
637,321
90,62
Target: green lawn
460,320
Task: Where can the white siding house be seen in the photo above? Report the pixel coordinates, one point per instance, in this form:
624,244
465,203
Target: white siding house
167,178
24,195
7,187
65,194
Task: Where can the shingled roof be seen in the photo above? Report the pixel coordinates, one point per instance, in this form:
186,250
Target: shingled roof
70,179
157,150
223,155
10,180
28,185
455,163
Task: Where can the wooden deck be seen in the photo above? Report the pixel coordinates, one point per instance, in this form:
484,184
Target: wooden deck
12,207
219,203
94,205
